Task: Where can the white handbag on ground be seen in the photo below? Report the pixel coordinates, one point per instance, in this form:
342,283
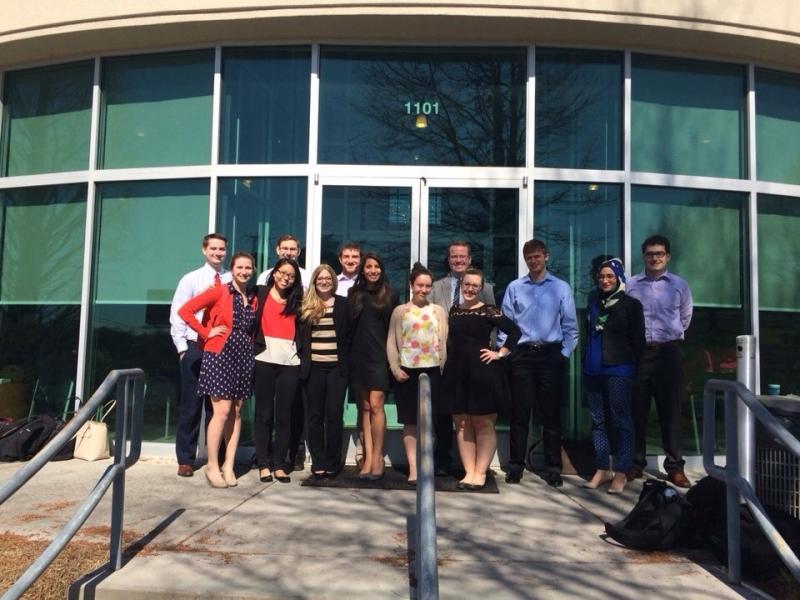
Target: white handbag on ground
91,441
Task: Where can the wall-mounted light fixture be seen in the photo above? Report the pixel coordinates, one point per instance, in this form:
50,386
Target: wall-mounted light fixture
421,122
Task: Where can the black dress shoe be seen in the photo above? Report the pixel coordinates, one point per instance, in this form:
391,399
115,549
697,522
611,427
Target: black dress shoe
282,478
553,479
513,476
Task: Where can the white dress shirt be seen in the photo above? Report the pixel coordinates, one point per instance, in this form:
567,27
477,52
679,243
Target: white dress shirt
344,284
190,285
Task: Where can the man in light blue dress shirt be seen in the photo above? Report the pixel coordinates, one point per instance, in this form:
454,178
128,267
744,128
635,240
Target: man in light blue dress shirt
543,307
667,303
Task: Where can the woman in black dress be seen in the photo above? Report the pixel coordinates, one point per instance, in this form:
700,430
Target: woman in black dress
475,385
226,375
371,302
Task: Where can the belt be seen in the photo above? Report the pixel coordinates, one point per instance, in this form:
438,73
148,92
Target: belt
539,346
663,344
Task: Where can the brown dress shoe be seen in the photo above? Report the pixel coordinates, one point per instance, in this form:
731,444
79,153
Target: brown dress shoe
679,479
185,471
634,474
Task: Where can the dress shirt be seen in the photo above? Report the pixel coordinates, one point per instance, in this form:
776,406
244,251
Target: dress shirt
544,311
262,279
191,285
344,284
667,303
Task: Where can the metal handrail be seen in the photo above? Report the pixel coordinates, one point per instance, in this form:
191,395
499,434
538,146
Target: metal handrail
427,568
124,381
735,484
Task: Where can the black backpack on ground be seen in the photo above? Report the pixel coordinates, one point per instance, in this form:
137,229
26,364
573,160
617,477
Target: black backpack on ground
23,438
659,521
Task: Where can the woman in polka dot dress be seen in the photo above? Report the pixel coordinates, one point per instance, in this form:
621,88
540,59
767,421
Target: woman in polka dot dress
226,374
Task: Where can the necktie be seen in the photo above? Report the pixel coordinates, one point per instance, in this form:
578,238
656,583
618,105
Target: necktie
217,280
456,292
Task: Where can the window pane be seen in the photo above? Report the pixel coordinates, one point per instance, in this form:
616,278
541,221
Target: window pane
40,279
427,106
707,232
157,110
254,212
578,222
42,245
779,291
687,117
488,219
778,126
46,120
265,105
578,109
148,235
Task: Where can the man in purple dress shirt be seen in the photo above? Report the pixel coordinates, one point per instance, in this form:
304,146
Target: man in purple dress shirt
667,303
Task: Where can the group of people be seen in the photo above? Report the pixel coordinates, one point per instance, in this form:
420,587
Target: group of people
300,341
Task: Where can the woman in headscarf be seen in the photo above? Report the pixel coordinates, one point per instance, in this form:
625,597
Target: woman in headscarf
614,344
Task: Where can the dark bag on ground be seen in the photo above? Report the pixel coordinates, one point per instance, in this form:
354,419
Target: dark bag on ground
759,561
23,438
659,521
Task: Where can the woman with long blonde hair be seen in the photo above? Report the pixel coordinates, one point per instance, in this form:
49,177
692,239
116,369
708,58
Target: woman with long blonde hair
325,321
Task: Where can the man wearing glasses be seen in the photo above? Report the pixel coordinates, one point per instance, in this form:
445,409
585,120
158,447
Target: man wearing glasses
288,246
667,303
543,308
446,292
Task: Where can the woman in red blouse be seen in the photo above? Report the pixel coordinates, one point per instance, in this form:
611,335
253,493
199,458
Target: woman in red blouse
278,365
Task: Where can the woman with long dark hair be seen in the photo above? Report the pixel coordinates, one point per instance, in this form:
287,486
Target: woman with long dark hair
326,324
417,344
226,375
371,302
278,347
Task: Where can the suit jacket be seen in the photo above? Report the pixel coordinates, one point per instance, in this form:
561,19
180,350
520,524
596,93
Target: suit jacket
218,302
442,295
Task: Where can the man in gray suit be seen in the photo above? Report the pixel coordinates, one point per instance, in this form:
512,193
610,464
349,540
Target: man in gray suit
446,292
447,289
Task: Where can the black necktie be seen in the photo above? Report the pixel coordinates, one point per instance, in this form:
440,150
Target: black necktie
456,293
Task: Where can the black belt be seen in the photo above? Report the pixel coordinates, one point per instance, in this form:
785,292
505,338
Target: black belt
539,346
663,344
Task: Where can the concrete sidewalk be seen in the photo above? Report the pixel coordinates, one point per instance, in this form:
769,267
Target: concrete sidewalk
287,541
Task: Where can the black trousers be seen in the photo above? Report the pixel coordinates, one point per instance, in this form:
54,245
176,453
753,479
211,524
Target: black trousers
325,390
536,381
190,407
659,377
275,391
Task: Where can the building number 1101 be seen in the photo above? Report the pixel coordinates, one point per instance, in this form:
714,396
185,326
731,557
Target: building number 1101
422,108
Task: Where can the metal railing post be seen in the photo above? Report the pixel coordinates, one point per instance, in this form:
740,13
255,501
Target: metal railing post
118,489
427,570
746,375
731,491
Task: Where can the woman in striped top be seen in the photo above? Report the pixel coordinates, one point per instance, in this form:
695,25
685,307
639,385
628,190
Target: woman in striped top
325,321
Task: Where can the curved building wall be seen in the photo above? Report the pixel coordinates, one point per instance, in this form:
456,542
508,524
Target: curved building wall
129,133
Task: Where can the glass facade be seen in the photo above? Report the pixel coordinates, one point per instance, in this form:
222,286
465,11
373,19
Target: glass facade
387,120
422,106
687,117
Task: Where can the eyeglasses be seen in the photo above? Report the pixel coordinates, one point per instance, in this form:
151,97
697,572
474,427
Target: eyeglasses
655,254
470,286
604,276
285,275
324,279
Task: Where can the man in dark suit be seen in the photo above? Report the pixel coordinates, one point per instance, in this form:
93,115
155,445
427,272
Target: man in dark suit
446,292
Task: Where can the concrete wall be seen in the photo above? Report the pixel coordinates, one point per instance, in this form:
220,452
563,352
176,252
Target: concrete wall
36,31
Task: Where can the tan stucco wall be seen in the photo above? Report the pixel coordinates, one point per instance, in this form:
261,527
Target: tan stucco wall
41,30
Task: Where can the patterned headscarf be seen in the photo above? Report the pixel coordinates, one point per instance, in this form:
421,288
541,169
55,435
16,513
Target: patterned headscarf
611,299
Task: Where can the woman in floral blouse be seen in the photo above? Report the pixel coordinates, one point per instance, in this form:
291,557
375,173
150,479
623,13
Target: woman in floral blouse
416,344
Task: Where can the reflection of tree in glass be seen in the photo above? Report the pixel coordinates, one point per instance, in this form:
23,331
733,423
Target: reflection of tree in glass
481,108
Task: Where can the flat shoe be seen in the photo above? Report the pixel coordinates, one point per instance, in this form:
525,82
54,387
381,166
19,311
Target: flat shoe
282,478
461,485
219,484
411,483
593,486
365,476
615,492
377,476
265,478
